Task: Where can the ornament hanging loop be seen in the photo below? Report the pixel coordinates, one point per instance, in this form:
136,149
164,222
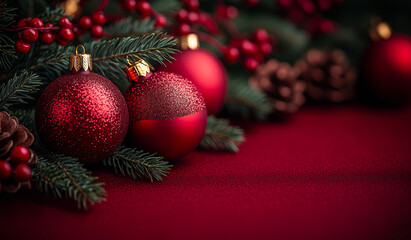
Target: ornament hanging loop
80,60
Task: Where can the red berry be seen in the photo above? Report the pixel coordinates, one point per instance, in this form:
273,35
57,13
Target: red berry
285,3
5,169
191,4
260,35
96,31
182,15
326,26
228,12
231,54
46,37
160,21
36,23
20,154
129,5
265,48
66,34
22,47
22,173
29,35
85,22
183,29
60,41
248,47
49,25
251,64
98,18
143,7
307,6
65,23
193,17
251,3
22,23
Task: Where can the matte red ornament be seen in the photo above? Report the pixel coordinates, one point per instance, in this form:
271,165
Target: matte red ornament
167,114
387,68
206,71
82,114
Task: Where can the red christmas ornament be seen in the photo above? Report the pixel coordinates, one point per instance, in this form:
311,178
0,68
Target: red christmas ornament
203,69
82,114
20,154
167,113
387,68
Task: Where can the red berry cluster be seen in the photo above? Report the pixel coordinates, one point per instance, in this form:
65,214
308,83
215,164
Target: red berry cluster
144,9
252,51
17,168
191,16
33,29
308,13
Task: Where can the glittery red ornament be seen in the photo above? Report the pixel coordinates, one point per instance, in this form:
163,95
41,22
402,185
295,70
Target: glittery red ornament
167,114
387,68
82,114
206,71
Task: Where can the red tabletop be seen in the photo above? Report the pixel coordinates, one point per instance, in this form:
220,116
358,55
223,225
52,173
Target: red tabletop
327,173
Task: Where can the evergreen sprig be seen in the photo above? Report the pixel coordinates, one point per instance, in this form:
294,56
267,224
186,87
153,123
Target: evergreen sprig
130,27
138,164
245,102
17,90
7,53
65,177
220,136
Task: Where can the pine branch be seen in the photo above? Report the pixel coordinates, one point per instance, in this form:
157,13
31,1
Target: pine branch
64,176
220,136
7,53
17,90
130,27
246,102
138,164
6,14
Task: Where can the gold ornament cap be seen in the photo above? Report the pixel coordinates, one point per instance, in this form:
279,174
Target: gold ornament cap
80,60
189,41
137,69
379,29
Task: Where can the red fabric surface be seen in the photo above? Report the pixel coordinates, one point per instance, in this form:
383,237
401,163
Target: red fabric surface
327,173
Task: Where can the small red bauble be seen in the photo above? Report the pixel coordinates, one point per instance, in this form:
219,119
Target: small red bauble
20,154
46,37
191,4
167,114
36,23
66,34
160,21
29,35
65,23
85,22
248,47
96,31
193,17
251,64
129,5
387,68
5,169
231,54
22,173
206,71
265,48
82,114
21,47
143,7
182,15
183,29
261,35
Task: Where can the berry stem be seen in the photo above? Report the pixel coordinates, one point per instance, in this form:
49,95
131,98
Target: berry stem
102,6
210,40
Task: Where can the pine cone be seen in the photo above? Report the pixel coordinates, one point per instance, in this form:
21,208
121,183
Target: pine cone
328,75
13,134
279,81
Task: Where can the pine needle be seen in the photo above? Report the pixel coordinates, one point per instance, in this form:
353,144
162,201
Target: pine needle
65,177
138,164
220,136
17,90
